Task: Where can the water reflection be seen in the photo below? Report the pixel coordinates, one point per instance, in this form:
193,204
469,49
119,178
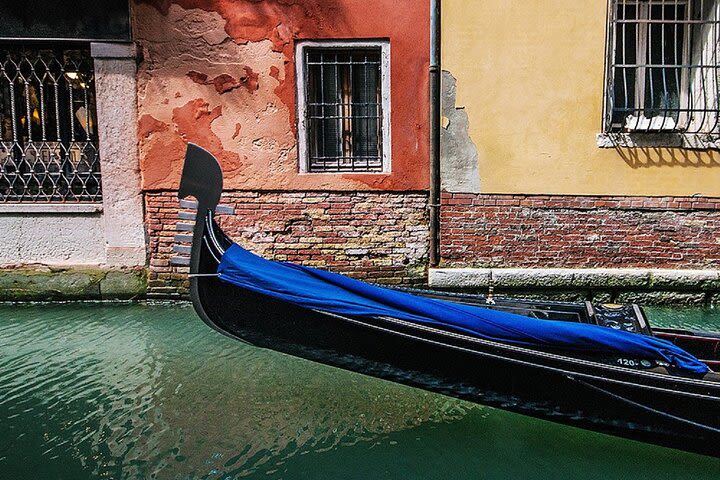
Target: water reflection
692,318
147,391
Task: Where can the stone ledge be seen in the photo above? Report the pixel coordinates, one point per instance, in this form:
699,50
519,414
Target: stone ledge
643,279
63,208
43,283
695,141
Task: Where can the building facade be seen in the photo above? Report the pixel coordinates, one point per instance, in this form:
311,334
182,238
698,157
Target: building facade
316,110
578,153
318,114
581,146
71,205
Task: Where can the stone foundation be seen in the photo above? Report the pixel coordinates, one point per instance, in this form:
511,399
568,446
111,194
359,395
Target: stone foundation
616,285
81,282
606,249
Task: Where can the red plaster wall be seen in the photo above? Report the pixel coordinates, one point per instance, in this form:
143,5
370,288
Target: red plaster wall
221,73
549,231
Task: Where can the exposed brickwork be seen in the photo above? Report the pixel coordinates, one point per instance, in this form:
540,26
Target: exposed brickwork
161,217
379,237
581,232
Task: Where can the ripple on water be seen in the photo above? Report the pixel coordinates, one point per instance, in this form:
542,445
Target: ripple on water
690,318
143,391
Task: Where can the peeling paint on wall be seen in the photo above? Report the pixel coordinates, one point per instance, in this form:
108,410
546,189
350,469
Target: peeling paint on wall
225,83
231,63
459,158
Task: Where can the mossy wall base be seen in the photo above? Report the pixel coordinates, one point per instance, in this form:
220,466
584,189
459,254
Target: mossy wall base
44,283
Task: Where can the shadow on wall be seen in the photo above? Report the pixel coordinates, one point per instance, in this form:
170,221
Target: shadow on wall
648,157
258,20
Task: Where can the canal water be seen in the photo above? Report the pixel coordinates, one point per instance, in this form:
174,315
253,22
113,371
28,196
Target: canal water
92,390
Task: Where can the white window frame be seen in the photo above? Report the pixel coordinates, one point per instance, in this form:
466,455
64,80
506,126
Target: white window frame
300,69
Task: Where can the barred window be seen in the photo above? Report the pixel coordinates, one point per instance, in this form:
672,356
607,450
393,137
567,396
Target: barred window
343,108
663,67
48,126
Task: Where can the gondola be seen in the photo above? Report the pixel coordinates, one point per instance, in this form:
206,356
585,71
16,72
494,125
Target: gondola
671,400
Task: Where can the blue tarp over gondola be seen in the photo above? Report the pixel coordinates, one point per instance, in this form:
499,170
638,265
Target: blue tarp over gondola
330,292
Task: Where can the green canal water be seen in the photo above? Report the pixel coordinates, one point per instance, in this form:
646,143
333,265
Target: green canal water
141,391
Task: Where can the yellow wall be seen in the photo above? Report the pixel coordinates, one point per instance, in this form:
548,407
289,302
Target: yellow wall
530,76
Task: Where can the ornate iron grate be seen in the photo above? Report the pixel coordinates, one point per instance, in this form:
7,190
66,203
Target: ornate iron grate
48,126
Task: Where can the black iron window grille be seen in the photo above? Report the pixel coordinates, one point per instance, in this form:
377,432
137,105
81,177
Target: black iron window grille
663,73
48,126
344,109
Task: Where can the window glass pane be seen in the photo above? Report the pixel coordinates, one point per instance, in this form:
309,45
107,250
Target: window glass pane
330,111
665,50
366,103
67,19
625,60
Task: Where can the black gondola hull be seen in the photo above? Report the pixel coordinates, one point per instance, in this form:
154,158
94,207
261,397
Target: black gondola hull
651,405
586,396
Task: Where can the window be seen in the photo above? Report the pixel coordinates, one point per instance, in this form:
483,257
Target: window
90,20
48,134
343,107
663,67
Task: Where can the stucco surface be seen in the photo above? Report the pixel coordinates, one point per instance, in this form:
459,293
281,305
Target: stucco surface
221,74
115,86
530,75
52,239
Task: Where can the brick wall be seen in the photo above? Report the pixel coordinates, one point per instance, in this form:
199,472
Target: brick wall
379,237
383,237
579,232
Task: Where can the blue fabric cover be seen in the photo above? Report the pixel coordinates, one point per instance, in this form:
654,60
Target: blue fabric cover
330,292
